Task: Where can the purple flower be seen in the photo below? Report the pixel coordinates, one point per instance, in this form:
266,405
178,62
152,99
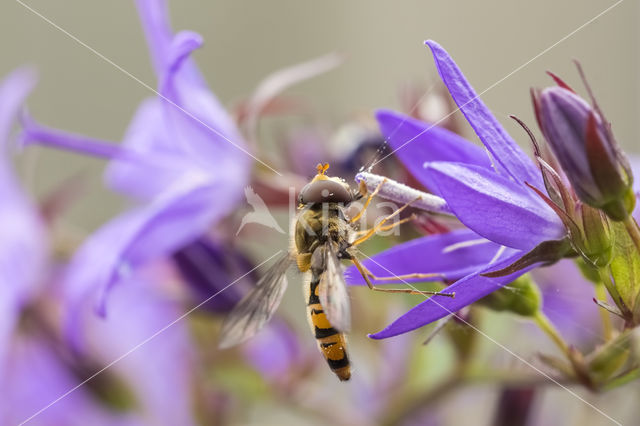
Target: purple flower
583,143
208,267
158,368
37,368
182,157
567,302
149,384
22,239
276,353
490,195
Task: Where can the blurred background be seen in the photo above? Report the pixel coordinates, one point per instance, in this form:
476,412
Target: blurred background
244,41
502,46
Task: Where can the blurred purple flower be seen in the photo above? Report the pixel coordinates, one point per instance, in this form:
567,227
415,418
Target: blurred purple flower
158,367
488,195
36,378
568,302
276,352
154,378
209,266
36,368
182,156
22,239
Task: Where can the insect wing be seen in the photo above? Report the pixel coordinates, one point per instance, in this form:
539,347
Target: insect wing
253,312
333,293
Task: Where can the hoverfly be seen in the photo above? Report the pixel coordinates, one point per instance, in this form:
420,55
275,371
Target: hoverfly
323,235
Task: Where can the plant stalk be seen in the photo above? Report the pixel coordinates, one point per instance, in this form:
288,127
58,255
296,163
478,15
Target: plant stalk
607,328
550,330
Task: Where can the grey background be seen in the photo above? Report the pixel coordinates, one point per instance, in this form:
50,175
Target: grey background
246,40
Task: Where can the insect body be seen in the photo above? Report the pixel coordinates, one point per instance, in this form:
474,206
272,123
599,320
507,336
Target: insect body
323,236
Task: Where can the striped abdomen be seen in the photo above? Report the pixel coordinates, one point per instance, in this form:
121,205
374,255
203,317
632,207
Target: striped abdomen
331,342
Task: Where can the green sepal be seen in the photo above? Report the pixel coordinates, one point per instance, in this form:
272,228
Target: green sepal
609,358
588,271
597,239
622,379
521,297
625,268
547,253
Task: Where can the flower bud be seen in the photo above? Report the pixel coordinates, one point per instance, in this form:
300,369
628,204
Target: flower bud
583,143
521,297
597,238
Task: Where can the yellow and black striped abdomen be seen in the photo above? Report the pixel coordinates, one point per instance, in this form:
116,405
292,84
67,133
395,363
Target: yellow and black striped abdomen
331,342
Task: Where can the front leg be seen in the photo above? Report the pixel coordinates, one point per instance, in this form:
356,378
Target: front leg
363,192
368,276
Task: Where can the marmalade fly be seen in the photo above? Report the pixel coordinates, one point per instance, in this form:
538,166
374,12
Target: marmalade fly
323,236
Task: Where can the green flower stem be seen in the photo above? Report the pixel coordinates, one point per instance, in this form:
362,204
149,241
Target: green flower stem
601,293
633,230
545,325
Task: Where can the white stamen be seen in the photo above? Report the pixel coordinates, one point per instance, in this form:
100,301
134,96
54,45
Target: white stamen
464,244
400,193
498,255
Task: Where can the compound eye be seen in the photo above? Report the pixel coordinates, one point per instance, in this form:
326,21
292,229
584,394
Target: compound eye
325,191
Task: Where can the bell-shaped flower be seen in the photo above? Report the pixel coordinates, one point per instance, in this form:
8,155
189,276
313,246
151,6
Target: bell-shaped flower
22,238
488,190
40,375
182,159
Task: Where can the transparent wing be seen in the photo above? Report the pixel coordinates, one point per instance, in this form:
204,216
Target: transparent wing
256,308
333,293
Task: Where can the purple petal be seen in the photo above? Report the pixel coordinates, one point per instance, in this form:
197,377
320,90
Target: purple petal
200,127
10,304
145,152
416,142
208,267
454,254
35,133
468,290
186,128
140,310
275,351
179,216
36,377
154,16
14,90
180,80
567,301
147,137
182,45
22,235
503,148
495,207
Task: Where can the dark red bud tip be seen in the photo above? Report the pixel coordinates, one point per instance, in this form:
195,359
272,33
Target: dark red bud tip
560,82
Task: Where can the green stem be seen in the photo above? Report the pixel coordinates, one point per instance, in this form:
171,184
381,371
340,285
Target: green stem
601,293
545,325
633,230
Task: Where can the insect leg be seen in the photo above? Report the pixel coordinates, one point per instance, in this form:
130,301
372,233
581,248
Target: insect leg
388,227
368,276
363,190
380,224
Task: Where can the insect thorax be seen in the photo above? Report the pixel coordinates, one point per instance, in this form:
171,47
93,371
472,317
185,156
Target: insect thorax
318,223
